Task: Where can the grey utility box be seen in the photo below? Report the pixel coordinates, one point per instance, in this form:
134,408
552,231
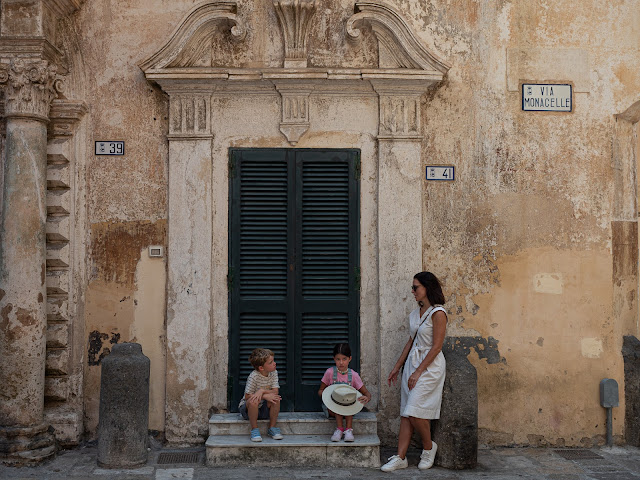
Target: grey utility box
609,393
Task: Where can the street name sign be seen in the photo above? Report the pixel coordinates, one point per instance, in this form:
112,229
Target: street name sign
547,97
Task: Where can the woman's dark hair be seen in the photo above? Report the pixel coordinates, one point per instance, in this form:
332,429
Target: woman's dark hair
431,283
343,349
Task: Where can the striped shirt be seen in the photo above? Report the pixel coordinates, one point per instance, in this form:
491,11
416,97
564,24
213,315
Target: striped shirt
257,381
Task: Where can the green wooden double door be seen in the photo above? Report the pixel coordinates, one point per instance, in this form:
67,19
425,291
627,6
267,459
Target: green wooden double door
294,275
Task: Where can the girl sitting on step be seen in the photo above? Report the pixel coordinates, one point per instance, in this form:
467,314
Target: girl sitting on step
339,391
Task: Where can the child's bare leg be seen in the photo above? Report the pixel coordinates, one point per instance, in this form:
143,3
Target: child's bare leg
339,421
274,410
252,413
349,421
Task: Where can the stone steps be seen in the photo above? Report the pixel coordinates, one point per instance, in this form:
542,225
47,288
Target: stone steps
306,442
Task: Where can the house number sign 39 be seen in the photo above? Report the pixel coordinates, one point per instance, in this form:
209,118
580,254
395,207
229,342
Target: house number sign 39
109,148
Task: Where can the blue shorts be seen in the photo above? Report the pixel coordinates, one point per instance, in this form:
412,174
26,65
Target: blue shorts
263,411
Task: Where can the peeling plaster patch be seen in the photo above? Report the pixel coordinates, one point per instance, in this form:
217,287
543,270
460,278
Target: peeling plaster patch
548,283
116,247
486,348
591,347
504,21
96,341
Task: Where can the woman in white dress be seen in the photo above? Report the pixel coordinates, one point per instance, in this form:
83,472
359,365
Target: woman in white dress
424,372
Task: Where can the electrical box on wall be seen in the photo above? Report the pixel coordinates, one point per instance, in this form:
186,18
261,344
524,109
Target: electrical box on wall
156,251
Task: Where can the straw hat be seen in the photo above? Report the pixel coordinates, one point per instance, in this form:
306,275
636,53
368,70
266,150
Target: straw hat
342,399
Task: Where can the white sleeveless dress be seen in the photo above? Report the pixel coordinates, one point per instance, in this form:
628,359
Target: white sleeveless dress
425,398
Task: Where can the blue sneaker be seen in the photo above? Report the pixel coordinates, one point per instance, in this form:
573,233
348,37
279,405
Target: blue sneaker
255,435
274,432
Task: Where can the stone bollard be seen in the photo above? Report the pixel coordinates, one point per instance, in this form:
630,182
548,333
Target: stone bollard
456,432
124,407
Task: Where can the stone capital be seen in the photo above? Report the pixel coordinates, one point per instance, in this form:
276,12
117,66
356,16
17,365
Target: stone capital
30,87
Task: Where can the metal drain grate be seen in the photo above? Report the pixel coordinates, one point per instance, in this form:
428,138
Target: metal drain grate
177,457
578,454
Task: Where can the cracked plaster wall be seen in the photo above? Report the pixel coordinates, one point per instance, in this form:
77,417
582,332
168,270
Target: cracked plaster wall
523,239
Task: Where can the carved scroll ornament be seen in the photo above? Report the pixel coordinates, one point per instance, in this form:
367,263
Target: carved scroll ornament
31,86
295,17
395,36
194,35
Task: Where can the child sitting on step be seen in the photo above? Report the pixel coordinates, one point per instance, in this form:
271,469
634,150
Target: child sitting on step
261,399
339,391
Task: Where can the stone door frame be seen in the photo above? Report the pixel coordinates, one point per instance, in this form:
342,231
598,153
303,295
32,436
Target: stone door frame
212,109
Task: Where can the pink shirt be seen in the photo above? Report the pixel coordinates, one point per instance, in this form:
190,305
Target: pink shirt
356,381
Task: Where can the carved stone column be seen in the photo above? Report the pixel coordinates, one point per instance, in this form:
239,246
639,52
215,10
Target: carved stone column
399,216
31,85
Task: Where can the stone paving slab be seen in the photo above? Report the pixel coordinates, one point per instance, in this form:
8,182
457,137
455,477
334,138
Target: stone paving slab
618,463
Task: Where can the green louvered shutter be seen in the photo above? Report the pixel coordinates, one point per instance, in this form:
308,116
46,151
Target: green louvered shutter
326,304
294,272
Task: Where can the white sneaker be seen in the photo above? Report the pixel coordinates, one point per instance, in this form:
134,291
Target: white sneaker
394,463
427,457
348,435
337,435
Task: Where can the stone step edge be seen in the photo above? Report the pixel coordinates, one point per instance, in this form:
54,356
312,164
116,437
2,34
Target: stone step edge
301,440
290,417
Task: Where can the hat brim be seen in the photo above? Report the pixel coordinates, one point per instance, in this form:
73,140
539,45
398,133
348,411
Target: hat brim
341,409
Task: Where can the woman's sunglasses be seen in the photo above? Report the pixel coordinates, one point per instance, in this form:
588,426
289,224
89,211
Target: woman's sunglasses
415,287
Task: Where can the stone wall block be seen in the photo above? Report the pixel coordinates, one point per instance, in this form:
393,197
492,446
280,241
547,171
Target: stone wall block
631,355
56,389
57,361
456,432
57,335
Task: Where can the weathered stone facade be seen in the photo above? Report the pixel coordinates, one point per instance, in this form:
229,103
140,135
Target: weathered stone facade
536,240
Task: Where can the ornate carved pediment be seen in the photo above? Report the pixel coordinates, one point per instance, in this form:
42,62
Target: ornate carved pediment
193,37
395,38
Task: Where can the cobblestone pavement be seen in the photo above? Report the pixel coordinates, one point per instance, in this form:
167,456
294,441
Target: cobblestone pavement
616,463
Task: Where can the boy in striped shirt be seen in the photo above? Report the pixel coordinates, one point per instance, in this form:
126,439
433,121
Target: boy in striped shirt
261,399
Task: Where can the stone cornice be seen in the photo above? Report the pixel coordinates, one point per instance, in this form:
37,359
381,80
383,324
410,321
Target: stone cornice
225,79
35,48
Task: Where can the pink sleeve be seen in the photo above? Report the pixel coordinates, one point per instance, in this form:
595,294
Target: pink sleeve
327,378
356,381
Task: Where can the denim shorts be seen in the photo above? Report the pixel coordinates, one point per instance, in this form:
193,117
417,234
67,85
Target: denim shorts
263,411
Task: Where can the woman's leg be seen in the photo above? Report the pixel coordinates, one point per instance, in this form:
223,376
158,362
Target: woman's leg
423,426
404,437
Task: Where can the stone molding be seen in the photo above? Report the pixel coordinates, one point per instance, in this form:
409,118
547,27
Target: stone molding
64,116
295,18
64,7
190,116
295,109
31,86
184,45
394,35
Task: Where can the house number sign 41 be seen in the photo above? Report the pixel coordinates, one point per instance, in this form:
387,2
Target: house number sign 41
109,147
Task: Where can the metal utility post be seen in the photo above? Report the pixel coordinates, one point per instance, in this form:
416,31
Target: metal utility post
609,399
